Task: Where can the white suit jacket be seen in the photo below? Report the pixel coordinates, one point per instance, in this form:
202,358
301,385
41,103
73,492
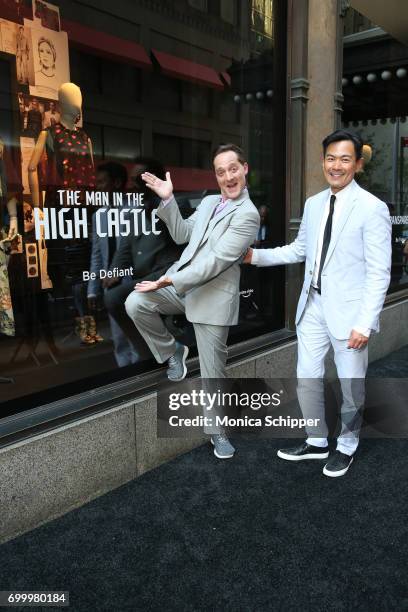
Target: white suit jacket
357,268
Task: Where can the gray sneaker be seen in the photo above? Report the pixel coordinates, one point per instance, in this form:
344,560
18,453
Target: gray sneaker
223,448
177,369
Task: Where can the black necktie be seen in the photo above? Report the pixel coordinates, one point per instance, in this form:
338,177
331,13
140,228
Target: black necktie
326,241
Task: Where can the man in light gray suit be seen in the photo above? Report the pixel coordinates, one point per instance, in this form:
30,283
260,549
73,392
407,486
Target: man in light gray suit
204,282
345,240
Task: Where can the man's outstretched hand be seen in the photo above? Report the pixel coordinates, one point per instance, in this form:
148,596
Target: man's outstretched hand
145,286
164,189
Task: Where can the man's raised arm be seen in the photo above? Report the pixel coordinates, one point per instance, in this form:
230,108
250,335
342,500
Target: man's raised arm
180,229
295,252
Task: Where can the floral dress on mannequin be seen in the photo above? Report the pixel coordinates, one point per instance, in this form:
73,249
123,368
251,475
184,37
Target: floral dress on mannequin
70,165
7,325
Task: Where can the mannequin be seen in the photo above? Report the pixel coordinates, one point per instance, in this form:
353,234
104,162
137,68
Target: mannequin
68,151
70,163
70,103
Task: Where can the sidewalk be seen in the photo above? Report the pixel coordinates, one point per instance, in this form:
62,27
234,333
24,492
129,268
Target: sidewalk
249,534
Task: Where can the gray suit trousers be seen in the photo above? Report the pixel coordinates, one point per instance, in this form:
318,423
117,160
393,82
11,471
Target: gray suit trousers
145,309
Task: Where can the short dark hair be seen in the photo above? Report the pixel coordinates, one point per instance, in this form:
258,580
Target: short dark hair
223,148
115,171
152,165
339,135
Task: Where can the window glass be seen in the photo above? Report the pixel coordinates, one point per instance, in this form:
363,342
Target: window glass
165,93
95,133
375,106
195,100
85,71
91,96
170,147
121,143
201,5
228,11
123,78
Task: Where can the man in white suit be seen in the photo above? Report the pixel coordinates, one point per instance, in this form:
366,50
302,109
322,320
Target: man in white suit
204,282
345,240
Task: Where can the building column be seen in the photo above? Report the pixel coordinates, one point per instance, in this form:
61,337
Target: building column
298,86
342,8
323,90
315,59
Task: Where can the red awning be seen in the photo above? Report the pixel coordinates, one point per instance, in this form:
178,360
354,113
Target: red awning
106,45
188,71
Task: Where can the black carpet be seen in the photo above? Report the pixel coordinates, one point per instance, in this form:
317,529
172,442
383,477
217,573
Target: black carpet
250,534
392,366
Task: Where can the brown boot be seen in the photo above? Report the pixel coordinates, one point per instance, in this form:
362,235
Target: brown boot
91,327
81,330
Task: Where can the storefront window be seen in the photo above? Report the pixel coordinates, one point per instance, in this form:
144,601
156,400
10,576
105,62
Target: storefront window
385,175
86,106
375,88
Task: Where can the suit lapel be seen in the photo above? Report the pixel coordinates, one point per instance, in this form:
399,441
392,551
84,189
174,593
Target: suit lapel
341,222
198,237
207,218
231,206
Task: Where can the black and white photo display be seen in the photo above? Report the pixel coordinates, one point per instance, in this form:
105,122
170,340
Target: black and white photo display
51,61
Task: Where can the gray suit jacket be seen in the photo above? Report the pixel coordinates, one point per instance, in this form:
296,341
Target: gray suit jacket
208,271
356,271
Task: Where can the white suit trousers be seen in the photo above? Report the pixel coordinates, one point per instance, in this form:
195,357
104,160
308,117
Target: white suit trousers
314,340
